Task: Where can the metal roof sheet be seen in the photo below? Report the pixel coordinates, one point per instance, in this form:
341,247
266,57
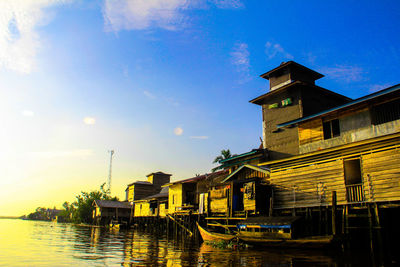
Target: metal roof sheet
352,103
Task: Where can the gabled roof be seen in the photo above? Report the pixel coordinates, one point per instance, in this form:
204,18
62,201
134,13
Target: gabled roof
197,178
357,101
293,65
163,194
256,168
252,152
258,100
112,204
158,173
138,182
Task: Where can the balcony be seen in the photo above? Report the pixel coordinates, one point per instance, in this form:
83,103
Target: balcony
355,193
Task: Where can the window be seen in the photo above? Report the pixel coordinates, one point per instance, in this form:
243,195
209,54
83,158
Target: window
385,112
352,171
331,129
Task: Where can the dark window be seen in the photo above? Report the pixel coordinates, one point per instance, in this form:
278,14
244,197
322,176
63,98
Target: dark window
386,112
352,171
331,129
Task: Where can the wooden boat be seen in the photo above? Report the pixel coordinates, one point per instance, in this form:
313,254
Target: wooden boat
212,236
278,232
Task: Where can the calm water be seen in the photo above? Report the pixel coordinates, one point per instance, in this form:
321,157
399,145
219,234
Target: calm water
34,243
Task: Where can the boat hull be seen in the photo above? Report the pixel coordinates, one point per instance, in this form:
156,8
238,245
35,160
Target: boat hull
211,236
310,242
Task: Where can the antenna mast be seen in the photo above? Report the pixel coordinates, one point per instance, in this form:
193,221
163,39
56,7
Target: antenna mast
109,173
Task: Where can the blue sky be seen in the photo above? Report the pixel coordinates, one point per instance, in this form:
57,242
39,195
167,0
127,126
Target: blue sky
165,83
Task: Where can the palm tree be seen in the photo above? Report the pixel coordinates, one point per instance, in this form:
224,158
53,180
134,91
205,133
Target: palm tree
225,154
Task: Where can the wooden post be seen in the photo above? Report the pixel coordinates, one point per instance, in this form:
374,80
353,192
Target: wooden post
345,220
371,226
334,202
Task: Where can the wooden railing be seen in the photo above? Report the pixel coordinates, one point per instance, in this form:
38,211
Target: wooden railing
355,193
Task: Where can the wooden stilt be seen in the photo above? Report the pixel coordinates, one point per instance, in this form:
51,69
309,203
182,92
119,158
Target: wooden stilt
334,200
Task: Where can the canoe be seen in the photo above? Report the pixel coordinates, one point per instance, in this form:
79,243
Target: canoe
212,236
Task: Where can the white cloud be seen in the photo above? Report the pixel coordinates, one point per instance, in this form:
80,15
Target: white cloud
19,40
89,120
344,73
142,14
240,57
178,131
27,113
228,3
272,50
201,137
148,94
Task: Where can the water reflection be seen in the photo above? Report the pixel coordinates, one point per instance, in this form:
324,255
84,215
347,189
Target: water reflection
32,243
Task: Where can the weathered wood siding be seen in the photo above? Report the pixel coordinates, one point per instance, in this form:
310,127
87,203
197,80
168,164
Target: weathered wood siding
249,197
309,185
381,175
142,209
163,210
219,200
310,131
175,198
247,173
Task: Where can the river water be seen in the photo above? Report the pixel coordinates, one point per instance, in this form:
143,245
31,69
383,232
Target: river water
37,243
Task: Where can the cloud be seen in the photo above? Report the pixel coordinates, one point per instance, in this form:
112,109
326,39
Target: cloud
142,14
272,50
240,57
19,40
201,137
27,113
377,87
178,131
89,120
228,3
148,94
344,73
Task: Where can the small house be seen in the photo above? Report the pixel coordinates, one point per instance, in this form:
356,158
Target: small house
245,191
152,206
142,189
107,210
191,195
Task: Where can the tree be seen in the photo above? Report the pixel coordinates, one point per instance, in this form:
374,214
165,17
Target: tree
225,154
82,208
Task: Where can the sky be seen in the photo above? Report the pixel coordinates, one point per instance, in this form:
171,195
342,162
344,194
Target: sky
166,84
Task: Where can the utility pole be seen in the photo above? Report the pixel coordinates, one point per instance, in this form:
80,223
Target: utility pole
109,173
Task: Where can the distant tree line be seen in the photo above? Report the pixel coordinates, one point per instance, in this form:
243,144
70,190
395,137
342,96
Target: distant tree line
80,211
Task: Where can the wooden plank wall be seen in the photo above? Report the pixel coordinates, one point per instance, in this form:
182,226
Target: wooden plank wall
310,131
163,210
141,212
249,197
247,173
309,185
219,200
381,175
219,205
175,197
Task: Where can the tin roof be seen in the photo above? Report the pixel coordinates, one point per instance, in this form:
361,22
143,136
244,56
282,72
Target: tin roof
158,173
256,168
344,106
112,204
272,220
197,178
